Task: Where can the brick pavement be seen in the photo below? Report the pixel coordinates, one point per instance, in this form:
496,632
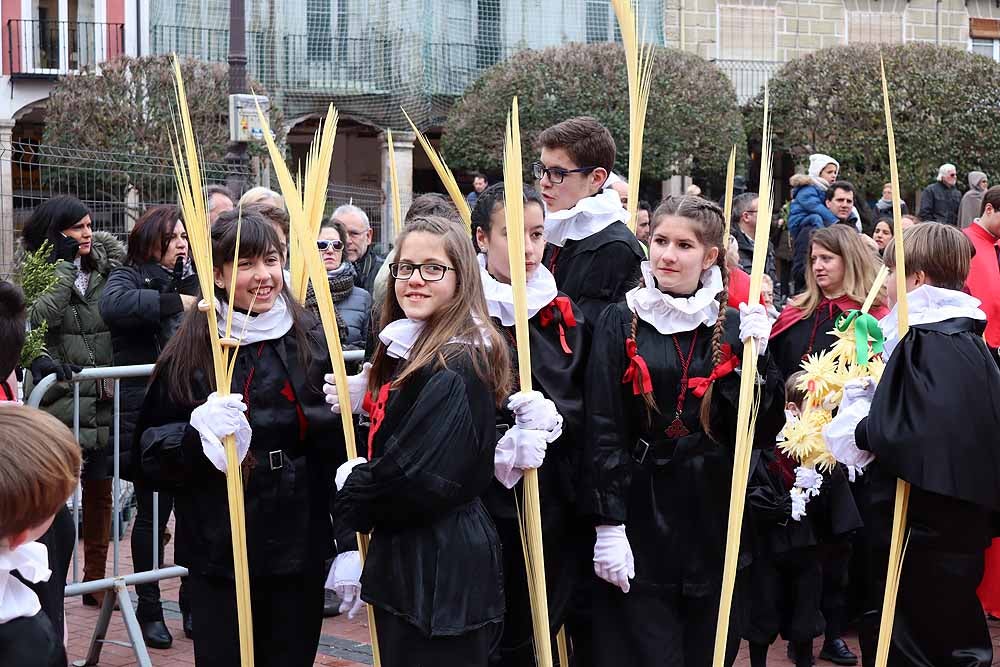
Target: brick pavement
343,642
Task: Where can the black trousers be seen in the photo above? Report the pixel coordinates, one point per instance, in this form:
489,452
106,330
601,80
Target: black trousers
835,559
783,595
149,608
649,629
401,644
287,619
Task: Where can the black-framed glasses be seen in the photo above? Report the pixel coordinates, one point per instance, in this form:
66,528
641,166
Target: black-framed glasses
430,273
555,174
325,245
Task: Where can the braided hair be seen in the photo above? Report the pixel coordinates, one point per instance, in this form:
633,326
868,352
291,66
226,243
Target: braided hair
708,229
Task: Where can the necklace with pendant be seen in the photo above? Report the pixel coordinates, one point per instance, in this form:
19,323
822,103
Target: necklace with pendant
677,429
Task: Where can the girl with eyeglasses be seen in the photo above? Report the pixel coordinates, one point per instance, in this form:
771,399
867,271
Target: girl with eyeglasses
662,390
351,304
545,424
438,375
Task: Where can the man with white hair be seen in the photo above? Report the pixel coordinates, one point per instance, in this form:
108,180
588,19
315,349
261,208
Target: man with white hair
941,199
359,245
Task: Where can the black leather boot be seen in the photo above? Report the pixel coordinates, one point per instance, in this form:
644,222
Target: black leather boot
156,634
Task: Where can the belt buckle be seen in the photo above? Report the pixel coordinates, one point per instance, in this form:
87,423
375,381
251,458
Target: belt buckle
276,459
643,446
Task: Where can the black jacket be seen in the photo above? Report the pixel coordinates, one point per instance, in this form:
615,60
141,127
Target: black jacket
745,245
296,447
939,203
142,307
435,558
597,271
559,376
367,268
675,502
31,641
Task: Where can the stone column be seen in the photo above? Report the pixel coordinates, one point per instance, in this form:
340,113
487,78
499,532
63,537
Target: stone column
6,196
402,143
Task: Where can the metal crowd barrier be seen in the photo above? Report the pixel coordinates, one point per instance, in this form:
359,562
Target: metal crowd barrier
117,584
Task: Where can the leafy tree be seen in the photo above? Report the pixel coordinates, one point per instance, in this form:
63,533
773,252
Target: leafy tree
944,109
691,125
129,107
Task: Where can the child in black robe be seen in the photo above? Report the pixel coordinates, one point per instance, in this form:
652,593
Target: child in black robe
661,393
434,567
40,460
546,422
932,421
590,251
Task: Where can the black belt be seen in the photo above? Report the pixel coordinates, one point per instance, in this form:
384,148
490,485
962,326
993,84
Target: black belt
657,453
276,460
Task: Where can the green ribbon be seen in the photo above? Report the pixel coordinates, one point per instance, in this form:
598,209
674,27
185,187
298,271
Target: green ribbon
865,327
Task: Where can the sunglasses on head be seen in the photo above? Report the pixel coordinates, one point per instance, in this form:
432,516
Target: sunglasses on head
329,245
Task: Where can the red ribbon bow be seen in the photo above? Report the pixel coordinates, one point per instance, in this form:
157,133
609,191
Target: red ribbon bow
728,364
637,372
547,316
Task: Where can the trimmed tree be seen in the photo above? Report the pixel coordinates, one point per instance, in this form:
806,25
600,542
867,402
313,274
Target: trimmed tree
944,109
692,123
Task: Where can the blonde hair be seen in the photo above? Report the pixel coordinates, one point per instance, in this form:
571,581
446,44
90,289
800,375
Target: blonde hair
39,467
262,195
465,318
860,266
941,251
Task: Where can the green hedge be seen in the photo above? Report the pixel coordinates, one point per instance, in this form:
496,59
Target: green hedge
945,106
692,122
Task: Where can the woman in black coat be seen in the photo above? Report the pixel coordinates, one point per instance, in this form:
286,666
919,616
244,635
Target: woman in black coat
290,442
143,304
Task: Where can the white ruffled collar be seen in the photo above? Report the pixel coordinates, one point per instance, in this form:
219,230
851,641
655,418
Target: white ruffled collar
31,560
540,290
670,314
927,305
269,325
399,336
589,216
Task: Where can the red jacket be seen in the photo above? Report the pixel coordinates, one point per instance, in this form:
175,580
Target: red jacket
739,287
984,279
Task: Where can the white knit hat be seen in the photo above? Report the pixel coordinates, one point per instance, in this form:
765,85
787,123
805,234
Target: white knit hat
818,162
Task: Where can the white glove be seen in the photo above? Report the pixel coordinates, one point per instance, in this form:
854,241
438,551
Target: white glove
518,450
839,433
808,480
613,561
345,580
799,500
754,323
344,471
534,411
357,385
218,417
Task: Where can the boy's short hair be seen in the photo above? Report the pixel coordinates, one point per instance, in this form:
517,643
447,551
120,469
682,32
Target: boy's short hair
432,204
39,467
840,185
792,392
585,140
941,251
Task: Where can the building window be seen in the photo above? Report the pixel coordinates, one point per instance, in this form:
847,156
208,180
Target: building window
986,47
600,21
984,37
746,33
874,28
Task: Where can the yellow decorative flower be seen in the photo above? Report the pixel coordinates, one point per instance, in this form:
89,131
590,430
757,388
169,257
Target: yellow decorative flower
820,375
804,438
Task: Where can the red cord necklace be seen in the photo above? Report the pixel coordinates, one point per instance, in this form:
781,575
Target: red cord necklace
677,429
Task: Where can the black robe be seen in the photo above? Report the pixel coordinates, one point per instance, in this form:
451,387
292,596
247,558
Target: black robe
31,641
809,336
933,422
296,447
675,504
435,558
597,271
559,376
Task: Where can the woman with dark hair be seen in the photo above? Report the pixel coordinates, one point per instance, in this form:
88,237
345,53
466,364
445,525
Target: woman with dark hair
77,335
288,466
13,315
143,305
353,305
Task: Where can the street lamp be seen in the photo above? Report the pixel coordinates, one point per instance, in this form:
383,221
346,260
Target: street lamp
236,154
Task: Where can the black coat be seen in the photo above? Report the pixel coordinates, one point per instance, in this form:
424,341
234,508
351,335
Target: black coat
296,447
939,203
745,245
597,271
675,504
142,307
367,268
435,558
559,376
805,337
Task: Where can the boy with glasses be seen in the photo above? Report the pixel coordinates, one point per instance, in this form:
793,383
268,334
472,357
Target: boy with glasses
593,255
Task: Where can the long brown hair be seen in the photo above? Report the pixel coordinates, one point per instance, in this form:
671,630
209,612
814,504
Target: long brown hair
860,267
187,358
707,219
465,318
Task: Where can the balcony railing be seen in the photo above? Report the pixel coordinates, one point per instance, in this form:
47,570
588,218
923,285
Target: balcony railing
748,76
50,48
